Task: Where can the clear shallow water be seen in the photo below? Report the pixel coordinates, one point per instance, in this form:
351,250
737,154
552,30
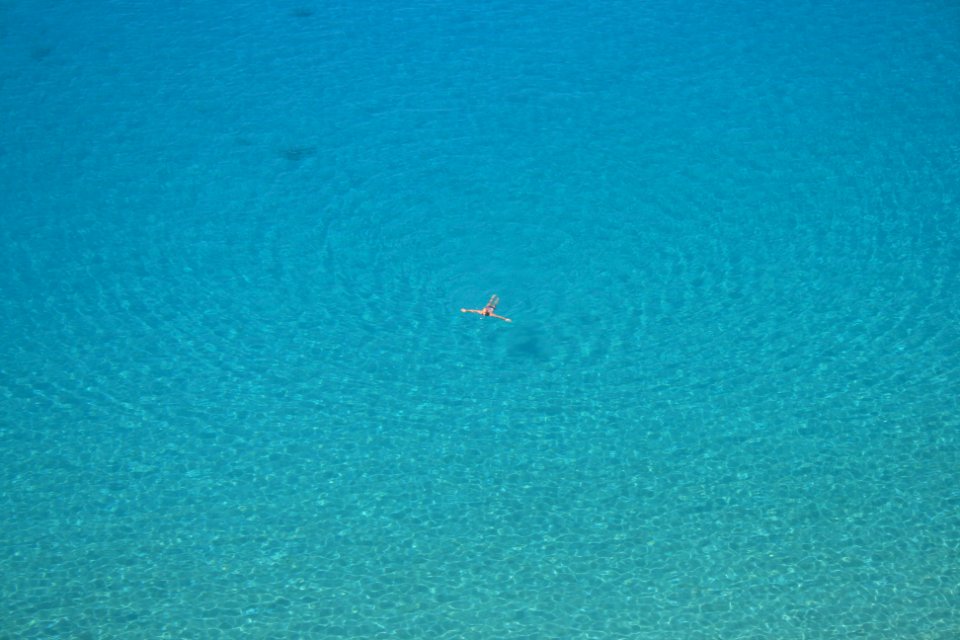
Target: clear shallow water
237,398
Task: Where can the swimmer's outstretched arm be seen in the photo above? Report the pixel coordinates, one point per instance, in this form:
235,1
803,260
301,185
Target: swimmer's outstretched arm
489,315
488,310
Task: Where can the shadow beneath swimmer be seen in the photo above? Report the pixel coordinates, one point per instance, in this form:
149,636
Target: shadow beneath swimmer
529,345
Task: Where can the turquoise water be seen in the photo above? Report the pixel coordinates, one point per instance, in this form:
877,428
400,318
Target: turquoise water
238,398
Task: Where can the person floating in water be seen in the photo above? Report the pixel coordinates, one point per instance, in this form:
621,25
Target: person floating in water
489,309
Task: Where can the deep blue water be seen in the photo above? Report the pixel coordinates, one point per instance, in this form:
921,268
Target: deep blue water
238,398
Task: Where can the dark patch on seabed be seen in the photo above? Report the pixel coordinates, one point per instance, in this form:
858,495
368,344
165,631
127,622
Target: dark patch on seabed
41,52
530,345
297,154
302,12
